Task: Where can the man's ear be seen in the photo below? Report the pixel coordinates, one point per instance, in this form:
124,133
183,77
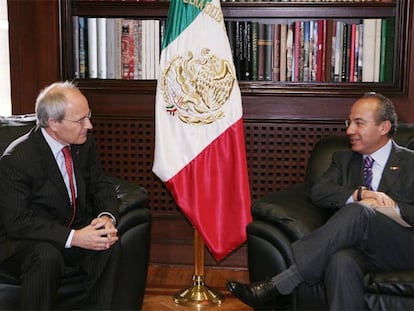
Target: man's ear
385,127
53,124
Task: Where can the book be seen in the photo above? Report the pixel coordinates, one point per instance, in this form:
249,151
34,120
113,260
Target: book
75,46
92,48
387,50
337,74
254,62
247,48
268,52
306,50
127,49
377,49
101,47
110,48
276,52
83,47
368,50
283,51
261,51
289,53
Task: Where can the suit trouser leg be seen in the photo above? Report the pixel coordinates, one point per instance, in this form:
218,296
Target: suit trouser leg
381,241
41,266
102,269
344,280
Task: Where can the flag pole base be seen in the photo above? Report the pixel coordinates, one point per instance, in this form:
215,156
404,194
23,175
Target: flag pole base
198,295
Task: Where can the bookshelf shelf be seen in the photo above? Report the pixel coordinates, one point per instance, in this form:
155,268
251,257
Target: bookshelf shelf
266,12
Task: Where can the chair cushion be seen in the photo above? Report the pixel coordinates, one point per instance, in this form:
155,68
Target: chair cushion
398,283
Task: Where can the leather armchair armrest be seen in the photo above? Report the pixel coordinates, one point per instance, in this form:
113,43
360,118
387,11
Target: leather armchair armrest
291,211
130,196
396,283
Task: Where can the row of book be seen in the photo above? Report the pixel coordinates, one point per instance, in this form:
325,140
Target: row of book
116,48
319,50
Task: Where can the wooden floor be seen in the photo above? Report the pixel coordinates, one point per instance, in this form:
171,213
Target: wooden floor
164,282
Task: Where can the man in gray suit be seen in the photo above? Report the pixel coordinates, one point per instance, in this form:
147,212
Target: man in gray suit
371,229
58,210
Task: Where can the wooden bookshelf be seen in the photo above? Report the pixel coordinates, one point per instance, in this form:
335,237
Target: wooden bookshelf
282,120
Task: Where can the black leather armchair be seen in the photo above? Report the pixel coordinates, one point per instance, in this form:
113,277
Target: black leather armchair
282,217
133,227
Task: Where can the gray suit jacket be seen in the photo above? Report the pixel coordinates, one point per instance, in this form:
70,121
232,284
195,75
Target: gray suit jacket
34,202
345,174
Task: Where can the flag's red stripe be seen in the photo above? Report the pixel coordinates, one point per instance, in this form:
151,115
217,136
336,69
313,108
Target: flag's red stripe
213,192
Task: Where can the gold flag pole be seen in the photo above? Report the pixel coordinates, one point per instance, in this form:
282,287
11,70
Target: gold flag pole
199,294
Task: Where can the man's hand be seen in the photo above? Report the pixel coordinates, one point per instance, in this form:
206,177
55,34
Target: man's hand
376,199
100,234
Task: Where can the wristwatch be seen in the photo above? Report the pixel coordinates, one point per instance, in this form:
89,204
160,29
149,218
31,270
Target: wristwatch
359,192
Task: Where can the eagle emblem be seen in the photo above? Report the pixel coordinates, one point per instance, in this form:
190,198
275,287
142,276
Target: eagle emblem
194,89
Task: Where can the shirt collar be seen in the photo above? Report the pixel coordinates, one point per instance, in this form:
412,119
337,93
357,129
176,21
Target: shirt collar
53,143
381,155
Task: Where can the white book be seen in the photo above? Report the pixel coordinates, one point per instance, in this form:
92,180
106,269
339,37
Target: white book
338,51
377,49
92,48
151,50
368,50
157,46
110,48
101,43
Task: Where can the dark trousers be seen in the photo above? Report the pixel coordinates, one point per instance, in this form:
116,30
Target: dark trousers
355,240
42,267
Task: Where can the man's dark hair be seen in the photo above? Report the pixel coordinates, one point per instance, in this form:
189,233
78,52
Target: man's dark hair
385,111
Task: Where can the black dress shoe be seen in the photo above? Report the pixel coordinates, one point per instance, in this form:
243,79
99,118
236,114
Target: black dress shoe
255,294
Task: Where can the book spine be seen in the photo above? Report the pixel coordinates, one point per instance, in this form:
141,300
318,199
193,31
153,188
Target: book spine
254,63
83,43
261,41
276,53
101,47
368,59
289,53
268,52
75,43
247,50
377,49
92,48
283,39
110,48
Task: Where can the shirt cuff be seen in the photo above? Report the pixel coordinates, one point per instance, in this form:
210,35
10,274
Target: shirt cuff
69,240
113,219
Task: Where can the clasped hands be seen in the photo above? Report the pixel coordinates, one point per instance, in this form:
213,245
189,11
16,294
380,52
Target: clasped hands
376,199
100,234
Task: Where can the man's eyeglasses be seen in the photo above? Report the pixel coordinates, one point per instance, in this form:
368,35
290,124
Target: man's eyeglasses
82,120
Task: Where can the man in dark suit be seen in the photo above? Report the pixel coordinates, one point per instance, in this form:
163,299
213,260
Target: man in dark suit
371,229
57,212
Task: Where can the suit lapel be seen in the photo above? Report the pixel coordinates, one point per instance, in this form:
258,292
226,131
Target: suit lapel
356,168
391,171
49,165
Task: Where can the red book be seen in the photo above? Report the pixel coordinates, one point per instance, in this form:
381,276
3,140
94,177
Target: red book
321,56
296,51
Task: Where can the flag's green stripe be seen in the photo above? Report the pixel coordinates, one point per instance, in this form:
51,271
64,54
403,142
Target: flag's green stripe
180,15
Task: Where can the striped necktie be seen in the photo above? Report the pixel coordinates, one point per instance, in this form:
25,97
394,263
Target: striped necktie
368,162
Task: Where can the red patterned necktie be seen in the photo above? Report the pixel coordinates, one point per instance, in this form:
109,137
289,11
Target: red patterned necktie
69,170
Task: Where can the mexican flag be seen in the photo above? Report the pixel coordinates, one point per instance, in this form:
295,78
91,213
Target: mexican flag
199,138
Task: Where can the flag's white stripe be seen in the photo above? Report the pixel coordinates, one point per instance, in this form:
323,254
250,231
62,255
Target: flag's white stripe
178,143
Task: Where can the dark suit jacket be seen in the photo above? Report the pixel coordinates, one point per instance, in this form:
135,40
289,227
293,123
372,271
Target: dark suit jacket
34,202
345,174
